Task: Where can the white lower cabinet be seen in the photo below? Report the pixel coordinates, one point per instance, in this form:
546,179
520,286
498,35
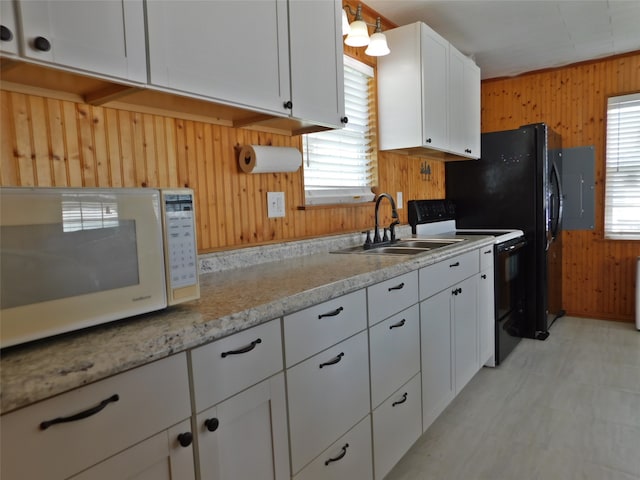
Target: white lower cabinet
465,331
245,437
396,426
349,458
240,406
486,310
146,408
437,358
328,394
160,457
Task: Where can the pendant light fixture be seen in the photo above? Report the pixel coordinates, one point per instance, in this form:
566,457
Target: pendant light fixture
358,33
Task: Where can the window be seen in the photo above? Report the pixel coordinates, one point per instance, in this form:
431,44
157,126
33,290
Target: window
340,166
622,187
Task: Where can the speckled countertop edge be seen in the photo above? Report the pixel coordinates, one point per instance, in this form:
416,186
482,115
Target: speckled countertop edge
232,299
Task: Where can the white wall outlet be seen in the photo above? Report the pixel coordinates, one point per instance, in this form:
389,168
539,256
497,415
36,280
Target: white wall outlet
275,204
399,200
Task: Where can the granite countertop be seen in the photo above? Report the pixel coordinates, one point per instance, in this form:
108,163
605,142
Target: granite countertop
232,299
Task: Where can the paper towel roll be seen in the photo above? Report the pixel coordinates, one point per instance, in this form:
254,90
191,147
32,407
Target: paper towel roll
266,159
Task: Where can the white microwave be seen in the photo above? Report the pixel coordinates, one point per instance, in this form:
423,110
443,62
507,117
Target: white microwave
72,258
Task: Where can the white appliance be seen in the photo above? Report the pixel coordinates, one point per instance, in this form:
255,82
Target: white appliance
77,257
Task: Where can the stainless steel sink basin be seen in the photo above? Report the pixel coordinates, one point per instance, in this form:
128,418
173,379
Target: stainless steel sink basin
404,247
428,243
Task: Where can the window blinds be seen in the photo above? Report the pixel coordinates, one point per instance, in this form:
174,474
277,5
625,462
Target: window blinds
622,185
340,165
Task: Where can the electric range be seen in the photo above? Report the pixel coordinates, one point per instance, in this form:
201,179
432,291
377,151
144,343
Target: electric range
436,218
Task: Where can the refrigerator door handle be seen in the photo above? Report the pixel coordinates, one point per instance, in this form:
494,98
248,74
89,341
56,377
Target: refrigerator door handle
560,203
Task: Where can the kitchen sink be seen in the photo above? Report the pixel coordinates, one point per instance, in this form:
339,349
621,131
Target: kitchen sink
403,247
428,243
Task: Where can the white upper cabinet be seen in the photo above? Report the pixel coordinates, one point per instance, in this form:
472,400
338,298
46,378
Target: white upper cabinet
103,37
8,40
428,96
317,72
226,50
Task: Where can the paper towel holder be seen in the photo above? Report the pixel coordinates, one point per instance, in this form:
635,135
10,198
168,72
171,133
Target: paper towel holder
268,158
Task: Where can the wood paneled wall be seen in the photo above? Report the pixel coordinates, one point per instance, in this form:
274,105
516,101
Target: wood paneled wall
599,274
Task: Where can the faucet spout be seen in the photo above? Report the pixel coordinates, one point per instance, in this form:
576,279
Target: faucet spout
394,214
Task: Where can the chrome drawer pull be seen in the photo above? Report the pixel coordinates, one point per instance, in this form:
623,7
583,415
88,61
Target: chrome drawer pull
339,457
331,314
79,416
333,361
398,325
246,349
400,402
397,287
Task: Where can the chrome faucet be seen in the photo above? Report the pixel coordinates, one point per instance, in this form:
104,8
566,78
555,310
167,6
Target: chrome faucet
392,225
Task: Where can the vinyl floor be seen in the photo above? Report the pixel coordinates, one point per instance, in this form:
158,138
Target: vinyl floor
567,408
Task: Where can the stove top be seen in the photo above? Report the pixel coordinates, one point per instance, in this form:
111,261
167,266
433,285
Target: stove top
437,217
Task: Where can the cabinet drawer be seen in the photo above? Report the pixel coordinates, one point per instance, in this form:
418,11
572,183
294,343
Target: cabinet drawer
328,393
486,257
149,400
441,275
395,353
396,426
227,366
311,330
391,296
349,458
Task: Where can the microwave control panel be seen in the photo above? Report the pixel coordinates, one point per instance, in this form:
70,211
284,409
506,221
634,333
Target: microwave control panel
181,256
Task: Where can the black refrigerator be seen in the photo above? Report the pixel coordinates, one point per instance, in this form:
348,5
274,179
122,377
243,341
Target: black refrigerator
516,184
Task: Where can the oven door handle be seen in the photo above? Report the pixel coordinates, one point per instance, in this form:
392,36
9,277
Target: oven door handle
511,248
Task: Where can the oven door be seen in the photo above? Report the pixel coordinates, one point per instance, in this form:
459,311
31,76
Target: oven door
509,296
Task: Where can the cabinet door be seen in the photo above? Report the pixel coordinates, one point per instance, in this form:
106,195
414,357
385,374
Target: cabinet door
396,426
328,394
102,36
471,95
245,437
486,318
349,458
435,339
465,332
160,457
228,50
394,353
457,121
317,72
435,117
9,41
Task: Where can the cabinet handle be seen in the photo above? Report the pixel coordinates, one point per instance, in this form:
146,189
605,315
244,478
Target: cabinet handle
79,416
344,120
397,287
457,264
6,35
185,439
340,456
212,424
456,291
333,361
400,402
398,325
483,276
331,314
429,140
288,104
246,349
486,252
42,44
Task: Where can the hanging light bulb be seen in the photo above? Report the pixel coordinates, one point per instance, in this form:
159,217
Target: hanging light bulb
359,35
378,42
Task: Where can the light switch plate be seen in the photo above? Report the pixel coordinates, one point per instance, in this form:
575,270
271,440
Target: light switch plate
399,200
275,204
